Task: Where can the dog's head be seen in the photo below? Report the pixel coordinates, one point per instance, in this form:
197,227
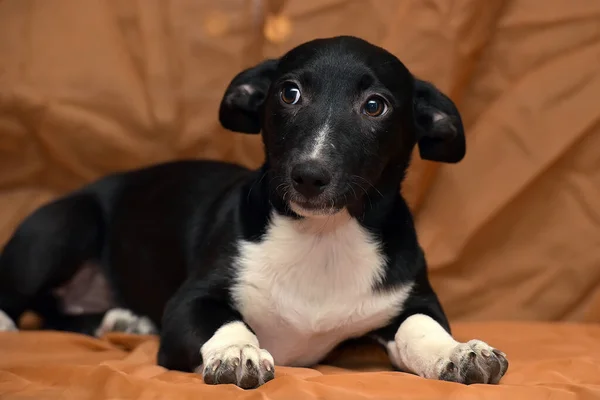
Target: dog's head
339,119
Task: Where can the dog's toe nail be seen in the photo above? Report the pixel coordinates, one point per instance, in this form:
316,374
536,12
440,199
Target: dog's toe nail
216,365
499,353
267,365
485,353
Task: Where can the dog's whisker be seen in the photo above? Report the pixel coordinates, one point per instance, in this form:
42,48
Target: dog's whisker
286,192
254,184
353,191
368,183
366,193
262,177
272,179
278,186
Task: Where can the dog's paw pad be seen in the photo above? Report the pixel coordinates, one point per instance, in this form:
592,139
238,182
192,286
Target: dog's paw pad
473,362
6,323
246,366
123,320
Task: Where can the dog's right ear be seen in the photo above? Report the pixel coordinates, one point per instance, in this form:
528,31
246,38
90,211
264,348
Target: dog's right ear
243,99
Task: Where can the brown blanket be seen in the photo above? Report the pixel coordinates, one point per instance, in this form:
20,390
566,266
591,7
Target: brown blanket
92,87
548,361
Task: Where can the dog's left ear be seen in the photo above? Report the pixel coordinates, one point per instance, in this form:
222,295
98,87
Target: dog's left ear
243,99
440,133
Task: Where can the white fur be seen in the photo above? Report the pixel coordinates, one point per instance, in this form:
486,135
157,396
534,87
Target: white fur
423,347
234,346
130,323
419,346
309,285
234,340
6,323
321,138
231,334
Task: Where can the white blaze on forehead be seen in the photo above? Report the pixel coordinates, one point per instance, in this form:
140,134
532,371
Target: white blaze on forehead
321,137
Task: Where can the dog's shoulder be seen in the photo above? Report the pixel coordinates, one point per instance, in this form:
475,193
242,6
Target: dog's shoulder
393,226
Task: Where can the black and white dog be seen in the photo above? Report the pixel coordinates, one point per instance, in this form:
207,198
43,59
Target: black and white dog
241,269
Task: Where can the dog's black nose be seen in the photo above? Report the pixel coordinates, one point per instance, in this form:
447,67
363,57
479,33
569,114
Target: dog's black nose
310,178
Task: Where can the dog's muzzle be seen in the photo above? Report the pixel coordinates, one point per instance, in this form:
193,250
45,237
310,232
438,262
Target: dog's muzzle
310,178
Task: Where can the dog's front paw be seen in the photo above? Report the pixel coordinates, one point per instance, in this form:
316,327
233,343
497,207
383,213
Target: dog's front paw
473,362
246,366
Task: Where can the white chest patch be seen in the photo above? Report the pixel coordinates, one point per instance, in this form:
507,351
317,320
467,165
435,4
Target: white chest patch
309,286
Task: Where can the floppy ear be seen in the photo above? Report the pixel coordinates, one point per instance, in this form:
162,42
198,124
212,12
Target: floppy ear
240,107
440,133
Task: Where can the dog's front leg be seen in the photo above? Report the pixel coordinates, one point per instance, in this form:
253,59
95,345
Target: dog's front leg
202,333
422,346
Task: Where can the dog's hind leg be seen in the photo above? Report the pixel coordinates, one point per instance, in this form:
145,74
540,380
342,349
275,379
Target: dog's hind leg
46,250
124,320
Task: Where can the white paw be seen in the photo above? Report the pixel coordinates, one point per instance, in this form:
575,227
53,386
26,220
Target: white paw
123,320
244,365
472,362
6,323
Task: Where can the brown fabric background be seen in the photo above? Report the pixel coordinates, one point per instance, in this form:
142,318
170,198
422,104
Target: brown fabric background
88,87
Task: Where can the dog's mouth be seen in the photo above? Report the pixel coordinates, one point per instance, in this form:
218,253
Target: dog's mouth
330,202
311,209
324,205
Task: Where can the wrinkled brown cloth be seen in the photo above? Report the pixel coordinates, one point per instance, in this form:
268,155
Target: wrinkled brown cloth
547,362
89,87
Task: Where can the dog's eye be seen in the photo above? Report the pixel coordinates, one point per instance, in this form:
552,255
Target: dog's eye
374,107
290,94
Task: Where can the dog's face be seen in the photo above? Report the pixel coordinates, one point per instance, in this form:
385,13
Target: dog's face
339,119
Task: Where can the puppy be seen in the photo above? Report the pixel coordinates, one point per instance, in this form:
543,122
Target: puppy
242,269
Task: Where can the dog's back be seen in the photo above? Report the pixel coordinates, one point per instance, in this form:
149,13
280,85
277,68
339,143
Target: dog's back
107,227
